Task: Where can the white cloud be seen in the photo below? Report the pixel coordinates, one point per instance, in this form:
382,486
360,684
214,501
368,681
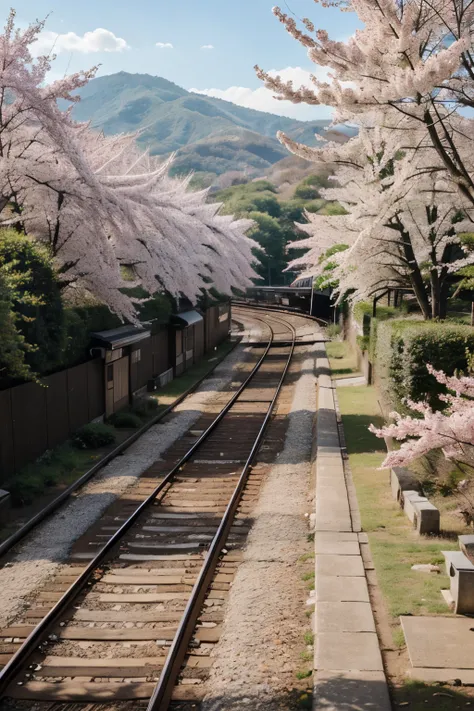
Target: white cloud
99,40
263,99
164,45
207,46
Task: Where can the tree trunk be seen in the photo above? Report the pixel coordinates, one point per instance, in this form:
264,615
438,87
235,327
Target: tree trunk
416,278
435,294
472,313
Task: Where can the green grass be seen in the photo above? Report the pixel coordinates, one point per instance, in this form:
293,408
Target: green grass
63,465
342,359
395,546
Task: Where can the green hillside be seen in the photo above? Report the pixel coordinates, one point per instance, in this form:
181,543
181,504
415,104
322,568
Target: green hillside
211,136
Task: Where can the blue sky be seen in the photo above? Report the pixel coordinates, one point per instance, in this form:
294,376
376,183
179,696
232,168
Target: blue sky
214,43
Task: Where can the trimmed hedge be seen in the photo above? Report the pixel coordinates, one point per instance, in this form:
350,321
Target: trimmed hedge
404,347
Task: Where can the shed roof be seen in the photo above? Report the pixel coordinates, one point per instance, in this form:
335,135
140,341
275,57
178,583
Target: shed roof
186,318
122,336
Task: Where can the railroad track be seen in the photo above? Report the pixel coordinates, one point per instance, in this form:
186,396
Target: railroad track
136,614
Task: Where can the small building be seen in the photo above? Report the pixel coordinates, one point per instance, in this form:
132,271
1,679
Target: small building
121,350
188,343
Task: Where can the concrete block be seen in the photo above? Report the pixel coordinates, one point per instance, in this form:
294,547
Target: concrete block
427,517
402,479
461,576
466,544
348,651
410,498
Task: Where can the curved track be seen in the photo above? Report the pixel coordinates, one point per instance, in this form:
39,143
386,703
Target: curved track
159,576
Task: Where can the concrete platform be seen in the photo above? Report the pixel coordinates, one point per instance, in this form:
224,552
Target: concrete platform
348,663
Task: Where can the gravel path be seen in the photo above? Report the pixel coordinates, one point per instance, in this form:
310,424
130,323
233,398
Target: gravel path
260,649
40,556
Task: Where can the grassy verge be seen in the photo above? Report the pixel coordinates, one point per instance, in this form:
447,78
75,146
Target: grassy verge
395,547
38,483
394,544
342,359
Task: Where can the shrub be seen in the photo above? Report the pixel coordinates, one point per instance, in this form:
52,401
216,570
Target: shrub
403,349
24,490
333,330
363,342
93,435
306,192
145,406
126,420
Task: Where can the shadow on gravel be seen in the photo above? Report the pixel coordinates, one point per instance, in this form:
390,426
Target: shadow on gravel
294,700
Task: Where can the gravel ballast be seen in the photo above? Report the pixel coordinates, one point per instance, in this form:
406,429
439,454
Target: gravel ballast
259,652
47,547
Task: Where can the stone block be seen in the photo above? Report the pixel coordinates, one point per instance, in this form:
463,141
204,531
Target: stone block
402,479
410,498
427,517
466,544
461,577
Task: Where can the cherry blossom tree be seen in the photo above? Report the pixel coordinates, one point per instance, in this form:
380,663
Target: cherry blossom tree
451,430
100,203
413,62
403,226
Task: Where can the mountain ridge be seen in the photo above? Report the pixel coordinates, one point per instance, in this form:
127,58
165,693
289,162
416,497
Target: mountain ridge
209,135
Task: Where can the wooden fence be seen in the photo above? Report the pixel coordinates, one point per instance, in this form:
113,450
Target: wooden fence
34,418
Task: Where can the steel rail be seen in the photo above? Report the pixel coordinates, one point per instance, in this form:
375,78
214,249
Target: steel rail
21,656
279,309
54,505
163,692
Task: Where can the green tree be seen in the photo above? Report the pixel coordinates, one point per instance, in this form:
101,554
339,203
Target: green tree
12,343
270,235
36,299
